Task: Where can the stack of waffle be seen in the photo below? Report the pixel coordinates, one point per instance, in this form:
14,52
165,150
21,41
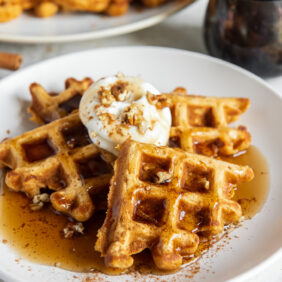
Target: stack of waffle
11,9
161,198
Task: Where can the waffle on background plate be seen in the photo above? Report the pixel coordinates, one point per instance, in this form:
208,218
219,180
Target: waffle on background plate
11,9
172,195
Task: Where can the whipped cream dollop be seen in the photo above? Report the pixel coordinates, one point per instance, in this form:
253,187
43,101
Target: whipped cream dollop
116,108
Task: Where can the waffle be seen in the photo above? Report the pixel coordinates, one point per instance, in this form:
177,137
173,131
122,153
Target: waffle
210,142
84,5
46,107
9,10
199,124
200,111
29,4
111,7
162,198
117,7
61,157
45,9
186,133
153,3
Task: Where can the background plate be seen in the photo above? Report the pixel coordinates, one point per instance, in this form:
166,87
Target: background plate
252,246
82,26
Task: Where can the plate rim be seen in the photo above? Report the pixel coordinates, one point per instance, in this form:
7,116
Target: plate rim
276,254
109,32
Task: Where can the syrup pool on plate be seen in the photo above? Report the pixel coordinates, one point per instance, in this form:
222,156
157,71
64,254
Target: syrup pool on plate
252,195
37,236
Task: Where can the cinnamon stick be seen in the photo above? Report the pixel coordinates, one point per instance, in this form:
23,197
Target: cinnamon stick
10,61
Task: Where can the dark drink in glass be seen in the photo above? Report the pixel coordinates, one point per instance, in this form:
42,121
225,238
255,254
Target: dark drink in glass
247,33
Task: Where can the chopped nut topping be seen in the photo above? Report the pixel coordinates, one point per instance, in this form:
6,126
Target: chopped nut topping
122,130
133,115
162,177
36,207
159,176
107,117
38,201
73,229
159,101
149,166
41,198
106,97
119,91
206,183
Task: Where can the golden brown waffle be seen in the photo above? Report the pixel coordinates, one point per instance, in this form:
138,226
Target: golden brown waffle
117,7
160,198
111,7
29,4
199,124
200,111
9,10
46,107
210,142
195,137
61,157
83,5
153,3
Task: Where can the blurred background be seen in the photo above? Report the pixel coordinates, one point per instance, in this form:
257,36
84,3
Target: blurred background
182,30
247,33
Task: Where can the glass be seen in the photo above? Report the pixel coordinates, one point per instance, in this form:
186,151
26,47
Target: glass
247,33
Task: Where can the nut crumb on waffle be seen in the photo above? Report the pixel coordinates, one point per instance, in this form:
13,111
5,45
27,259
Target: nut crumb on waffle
39,200
134,115
73,229
163,177
117,92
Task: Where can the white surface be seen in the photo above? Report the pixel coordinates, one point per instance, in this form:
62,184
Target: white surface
183,30
200,74
81,26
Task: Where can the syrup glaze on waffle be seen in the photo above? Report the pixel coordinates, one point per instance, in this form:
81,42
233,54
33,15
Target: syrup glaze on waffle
46,107
161,198
210,142
200,111
199,124
59,156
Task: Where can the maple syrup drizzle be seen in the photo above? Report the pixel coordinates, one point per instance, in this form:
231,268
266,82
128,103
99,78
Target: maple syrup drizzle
36,235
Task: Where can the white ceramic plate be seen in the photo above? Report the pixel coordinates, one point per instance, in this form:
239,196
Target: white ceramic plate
259,239
82,26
